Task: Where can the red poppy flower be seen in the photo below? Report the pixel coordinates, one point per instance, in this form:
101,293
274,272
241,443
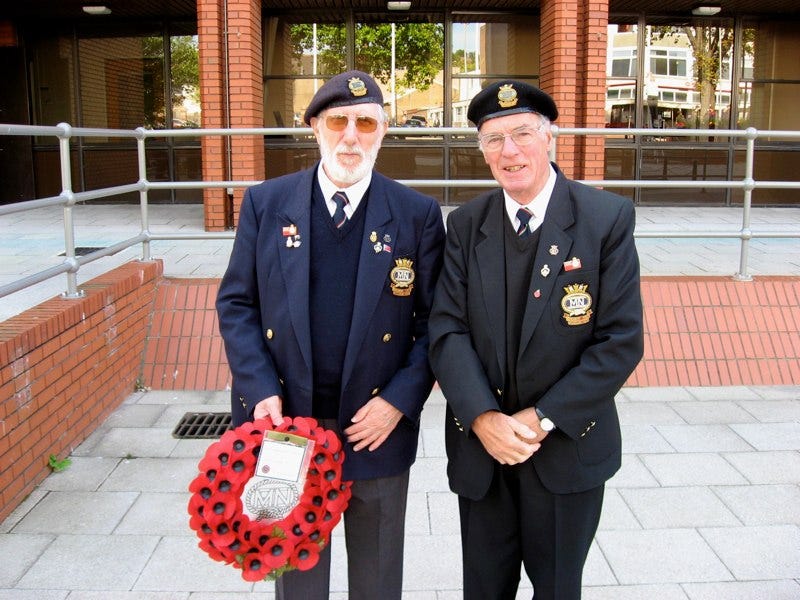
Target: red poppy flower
305,556
254,568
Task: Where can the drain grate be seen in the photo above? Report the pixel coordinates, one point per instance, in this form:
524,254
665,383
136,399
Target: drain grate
83,250
202,425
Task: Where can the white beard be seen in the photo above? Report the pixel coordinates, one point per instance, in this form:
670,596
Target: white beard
348,175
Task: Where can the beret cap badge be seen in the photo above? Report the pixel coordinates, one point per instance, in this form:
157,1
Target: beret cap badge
357,87
507,96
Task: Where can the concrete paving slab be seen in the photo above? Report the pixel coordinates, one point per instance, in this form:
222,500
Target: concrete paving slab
23,509
425,574
657,394
597,571
632,473
707,412
752,553
762,504
33,594
19,552
744,590
661,556
443,513
648,413
152,474
773,411
677,508
770,436
778,392
703,438
135,415
780,466
77,512
135,442
637,439
178,565
692,469
119,595
90,562
157,513
83,474
616,513
635,592
730,393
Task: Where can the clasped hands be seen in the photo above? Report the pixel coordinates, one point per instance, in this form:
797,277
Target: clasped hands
509,439
372,423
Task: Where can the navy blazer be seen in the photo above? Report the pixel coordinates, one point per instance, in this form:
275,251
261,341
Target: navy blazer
571,371
263,309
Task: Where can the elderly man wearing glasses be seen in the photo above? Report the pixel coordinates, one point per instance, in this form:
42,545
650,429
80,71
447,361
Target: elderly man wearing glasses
324,312
536,325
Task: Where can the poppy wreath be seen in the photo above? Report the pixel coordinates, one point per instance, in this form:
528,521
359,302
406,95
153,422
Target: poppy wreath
266,551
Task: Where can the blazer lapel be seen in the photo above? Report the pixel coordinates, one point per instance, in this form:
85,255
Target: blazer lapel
490,256
554,246
373,270
295,260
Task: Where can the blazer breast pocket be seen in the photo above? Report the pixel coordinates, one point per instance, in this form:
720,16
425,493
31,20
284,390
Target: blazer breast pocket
574,303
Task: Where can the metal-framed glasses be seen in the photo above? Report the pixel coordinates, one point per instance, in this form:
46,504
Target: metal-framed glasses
363,124
524,136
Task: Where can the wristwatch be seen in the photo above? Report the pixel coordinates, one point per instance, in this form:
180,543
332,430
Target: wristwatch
545,423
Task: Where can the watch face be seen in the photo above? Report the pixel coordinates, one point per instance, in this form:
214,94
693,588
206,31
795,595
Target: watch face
547,424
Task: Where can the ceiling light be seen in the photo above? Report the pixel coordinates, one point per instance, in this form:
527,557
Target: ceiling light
706,11
97,10
392,5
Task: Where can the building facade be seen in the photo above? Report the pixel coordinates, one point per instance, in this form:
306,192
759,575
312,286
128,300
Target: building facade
256,63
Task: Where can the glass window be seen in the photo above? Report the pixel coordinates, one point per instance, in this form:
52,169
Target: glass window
185,81
621,69
122,82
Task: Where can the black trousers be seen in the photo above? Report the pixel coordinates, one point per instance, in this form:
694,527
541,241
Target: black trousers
519,522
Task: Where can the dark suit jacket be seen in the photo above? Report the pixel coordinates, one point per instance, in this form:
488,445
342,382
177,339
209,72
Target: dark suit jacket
263,308
570,371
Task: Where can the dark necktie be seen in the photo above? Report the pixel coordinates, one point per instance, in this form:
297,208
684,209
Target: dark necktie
524,215
339,217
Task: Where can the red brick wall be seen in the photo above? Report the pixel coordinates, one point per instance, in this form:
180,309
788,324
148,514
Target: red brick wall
210,25
573,67
65,365
233,63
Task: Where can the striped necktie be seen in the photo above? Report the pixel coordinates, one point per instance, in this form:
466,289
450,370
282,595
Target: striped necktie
524,215
339,217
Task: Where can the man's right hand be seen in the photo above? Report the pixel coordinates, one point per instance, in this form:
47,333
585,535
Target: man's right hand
270,407
507,440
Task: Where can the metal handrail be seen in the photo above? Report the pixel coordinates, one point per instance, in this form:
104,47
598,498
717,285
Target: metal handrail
72,263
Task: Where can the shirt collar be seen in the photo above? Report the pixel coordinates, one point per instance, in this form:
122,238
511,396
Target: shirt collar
355,193
538,206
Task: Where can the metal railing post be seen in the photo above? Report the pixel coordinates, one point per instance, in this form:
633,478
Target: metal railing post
69,225
749,184
140,152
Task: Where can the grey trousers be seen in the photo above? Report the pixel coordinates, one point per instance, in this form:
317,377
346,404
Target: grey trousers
374,529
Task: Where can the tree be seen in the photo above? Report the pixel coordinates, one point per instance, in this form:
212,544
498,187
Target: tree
418,50
709,46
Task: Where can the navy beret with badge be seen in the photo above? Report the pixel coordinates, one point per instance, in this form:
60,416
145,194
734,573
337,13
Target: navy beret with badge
344,89
510,97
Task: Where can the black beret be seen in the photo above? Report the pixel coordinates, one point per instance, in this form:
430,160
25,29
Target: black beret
344,89
509,97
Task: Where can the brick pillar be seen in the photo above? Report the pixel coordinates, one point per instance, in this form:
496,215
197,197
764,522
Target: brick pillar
210,28
246,92
573,71
232,92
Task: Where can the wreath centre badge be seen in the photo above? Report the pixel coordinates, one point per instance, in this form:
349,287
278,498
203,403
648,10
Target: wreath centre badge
576,304
402,277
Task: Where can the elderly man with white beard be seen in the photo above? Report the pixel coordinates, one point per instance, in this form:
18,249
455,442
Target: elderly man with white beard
324,313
